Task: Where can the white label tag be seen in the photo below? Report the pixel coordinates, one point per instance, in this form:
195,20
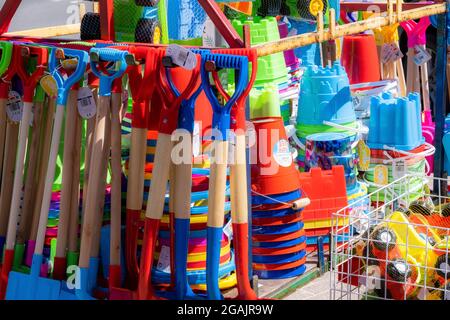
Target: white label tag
398,169
228,230
164,259
182,57
385,52
422,56
282,153
390,52
396,52
86,103
231,146
14,106
196,144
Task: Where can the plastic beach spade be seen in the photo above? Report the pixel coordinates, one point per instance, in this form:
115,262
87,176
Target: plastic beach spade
238,168
221,122
88,263
29,82
32,286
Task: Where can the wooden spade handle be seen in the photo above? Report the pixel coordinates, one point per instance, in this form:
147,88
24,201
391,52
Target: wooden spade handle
50,175
425,85
44,153
90,129
12,132
238,183
183,187
401,78
94,193
18,175
136,168
68,164
87,153
75,201
3,120
116,174
183,182
410,71
160,176
97,226
23,231
217,184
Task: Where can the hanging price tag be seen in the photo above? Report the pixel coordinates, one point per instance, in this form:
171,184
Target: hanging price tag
364,156
422,56
228,230
398,169
48,84
86,103
381,175
390,52
231,146
182,57
196,139
396,53
164,259
14,106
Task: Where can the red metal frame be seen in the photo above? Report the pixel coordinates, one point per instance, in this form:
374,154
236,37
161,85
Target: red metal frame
222,24
7,13
107,20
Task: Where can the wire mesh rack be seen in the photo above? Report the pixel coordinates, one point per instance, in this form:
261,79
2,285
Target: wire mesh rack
397,246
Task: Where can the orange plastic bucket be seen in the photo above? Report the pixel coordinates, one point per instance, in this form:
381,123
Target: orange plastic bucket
274,171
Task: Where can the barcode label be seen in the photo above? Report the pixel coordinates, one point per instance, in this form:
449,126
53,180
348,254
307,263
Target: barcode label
14,106
164,259
86,103
182,56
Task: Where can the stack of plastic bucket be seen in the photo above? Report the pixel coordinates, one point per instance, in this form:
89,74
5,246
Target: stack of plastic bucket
395,128
325,98
277,228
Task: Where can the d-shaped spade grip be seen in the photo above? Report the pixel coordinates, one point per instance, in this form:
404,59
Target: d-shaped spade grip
238,114
221,117
416,31
186,115
64,83
109,55
6,49
18,67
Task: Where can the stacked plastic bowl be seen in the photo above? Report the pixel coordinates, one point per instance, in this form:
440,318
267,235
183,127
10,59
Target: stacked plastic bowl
277,228
196,267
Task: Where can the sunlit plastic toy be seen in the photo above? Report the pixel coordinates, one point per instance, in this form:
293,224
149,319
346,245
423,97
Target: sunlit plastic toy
134,21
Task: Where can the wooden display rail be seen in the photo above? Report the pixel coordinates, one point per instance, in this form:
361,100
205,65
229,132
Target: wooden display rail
384,19
47,32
